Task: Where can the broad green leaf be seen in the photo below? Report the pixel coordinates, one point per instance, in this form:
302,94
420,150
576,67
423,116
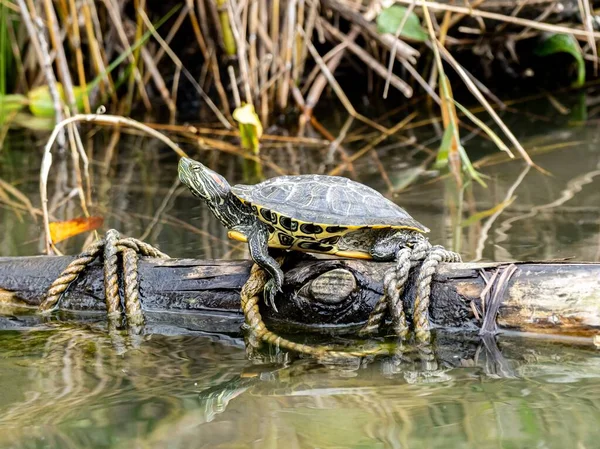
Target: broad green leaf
251,129
563,43
40,100
390,19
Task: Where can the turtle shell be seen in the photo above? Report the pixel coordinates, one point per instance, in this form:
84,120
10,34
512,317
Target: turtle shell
328,200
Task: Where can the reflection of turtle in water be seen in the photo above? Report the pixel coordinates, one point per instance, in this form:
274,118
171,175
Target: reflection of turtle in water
311,213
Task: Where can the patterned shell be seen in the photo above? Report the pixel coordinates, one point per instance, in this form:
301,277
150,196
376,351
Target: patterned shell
332,200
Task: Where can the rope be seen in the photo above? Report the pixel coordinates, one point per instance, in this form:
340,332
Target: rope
110,247
376,317
111,279
394,283
133,306
250,298
434,257
69,274
407,258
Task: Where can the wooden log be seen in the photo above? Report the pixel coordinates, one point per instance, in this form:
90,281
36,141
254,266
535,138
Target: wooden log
326,295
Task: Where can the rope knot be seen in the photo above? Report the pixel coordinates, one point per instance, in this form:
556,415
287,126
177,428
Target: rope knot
419,253
109,248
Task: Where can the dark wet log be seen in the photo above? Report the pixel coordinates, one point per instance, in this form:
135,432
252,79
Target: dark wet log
326,295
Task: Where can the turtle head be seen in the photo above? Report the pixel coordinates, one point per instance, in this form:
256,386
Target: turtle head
216,191
203,182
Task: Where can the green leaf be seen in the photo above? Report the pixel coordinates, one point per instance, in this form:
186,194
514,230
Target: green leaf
466,163
497,140
10,104
579,111
443,153
250,127
5,51
390,19
563,43
251,131
40,101
41,104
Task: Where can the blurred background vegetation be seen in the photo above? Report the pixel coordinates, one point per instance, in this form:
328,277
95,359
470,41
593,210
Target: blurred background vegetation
286,86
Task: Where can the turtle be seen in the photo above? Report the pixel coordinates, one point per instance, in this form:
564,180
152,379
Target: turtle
308,213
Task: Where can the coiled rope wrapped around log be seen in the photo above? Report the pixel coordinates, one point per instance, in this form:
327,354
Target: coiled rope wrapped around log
420,254
394,282
110,247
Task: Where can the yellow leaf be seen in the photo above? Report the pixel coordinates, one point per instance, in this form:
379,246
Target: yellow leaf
487,213
251,129
62,230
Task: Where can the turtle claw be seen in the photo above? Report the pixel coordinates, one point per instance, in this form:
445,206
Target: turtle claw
270,291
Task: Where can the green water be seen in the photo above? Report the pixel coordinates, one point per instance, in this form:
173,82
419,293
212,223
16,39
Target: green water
71,385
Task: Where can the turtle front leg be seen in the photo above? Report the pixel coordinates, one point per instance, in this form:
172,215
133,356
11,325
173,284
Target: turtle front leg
258,237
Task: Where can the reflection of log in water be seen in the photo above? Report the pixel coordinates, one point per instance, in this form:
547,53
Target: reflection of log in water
329,295
75,389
